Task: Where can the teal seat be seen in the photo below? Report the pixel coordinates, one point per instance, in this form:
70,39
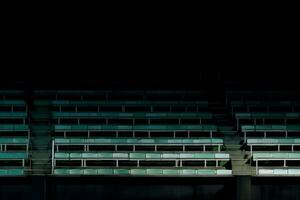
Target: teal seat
13,140
270,115
253,128
12,103
13,115
276,156
19,127
11,172
120,103
135,127
82,141
12,155
143,172
279,141
141,155
127,115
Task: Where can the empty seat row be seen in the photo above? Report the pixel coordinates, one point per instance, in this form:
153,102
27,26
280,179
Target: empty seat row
271,129
136,141
143,172
130,118
255,117
151,130
140,155
279,172
255,106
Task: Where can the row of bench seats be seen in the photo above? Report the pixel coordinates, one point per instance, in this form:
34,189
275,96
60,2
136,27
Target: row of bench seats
126,106
132,118
264,106
14,134
151,130
269,121
143,172
68,150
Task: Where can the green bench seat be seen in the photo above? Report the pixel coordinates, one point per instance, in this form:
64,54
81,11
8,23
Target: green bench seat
119,92
11,172
12,103
144,172
71,141
135,127
13,115
276,156
279,172
257,128
276,141
122,103
9,127
263,103
14,140
117,115
13,156
140,155
270,115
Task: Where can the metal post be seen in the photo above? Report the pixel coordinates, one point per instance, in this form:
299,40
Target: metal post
256,167
52,156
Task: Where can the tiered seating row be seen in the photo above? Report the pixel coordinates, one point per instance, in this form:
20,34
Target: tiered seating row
246,129
14,134
126,106
149,171
150,129
133,117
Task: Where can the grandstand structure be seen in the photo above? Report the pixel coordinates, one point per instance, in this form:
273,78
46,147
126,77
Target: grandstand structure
150,133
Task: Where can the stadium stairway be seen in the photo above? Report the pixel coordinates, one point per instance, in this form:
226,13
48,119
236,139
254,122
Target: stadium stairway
41,139
226,126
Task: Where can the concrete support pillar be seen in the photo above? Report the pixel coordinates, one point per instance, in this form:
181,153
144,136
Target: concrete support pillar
243,187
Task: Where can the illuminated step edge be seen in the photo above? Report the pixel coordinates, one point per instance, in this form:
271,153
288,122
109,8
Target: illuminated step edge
153,171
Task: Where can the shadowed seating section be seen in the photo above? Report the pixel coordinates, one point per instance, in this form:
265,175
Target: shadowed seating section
264,129
264,106
125,106
257,117
14,133
168,133
151,130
